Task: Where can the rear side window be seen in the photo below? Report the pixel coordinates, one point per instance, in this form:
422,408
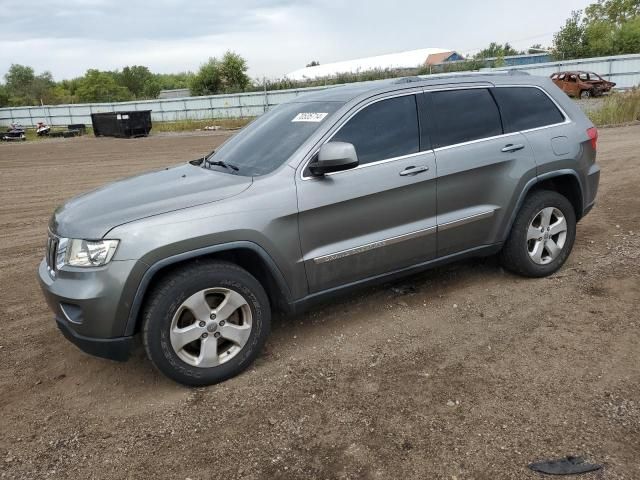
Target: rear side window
464,115
385,129
526,107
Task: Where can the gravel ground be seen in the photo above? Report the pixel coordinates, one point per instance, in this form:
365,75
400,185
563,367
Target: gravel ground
464,372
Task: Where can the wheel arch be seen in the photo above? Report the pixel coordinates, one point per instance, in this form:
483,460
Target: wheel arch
566,182
245,254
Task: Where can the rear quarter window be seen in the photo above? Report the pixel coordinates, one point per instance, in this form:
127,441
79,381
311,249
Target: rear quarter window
524,108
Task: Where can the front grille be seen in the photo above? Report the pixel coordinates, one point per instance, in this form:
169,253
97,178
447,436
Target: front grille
52,250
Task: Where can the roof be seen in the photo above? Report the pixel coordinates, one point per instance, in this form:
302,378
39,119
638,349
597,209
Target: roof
350,91
435,58
408,59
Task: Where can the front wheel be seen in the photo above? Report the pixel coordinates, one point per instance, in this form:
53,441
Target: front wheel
542,235
205,323
585,94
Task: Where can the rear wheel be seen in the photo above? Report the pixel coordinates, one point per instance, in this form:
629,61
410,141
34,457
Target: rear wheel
206,323
585,94
542,235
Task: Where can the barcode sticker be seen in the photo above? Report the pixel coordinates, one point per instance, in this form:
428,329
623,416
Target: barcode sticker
309,117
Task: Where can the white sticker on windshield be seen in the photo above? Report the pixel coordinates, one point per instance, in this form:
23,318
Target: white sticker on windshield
309,117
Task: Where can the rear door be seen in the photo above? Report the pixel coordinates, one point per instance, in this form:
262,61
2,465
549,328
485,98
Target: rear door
480,167
380,216
531,111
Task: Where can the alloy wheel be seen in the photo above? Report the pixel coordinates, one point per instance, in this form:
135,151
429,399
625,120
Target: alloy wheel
546,235
211,327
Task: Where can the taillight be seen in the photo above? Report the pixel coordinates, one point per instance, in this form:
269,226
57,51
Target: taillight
593,135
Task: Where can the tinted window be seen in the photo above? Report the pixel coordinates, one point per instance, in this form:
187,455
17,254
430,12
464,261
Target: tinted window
269,141
464,115
385,129
526,107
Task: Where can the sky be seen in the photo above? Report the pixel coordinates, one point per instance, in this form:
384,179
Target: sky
67,37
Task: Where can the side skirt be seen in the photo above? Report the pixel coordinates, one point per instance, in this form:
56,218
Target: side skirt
303,304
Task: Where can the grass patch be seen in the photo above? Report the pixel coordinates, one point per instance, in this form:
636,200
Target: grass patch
618,108
191,125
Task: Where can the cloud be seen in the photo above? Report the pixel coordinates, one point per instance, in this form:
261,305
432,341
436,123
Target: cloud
136,19
275,36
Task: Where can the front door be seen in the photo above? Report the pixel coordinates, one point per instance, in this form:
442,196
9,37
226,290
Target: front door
378,217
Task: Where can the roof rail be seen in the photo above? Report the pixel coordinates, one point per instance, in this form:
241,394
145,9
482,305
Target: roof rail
408,79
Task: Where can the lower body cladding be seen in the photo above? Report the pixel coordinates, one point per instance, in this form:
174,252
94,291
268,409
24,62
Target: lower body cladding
86,306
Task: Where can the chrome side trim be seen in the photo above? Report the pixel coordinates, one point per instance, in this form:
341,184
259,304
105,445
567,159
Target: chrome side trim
465,220
373,245
478,140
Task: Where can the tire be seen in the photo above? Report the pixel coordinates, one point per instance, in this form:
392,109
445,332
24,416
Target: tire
585,94
192,349
533,249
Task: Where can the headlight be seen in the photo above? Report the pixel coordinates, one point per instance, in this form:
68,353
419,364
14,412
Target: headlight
85,253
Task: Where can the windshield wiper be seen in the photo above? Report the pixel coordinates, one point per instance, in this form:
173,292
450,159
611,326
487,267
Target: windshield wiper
220,163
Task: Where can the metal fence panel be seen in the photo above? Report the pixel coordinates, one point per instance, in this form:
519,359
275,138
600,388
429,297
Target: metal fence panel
622,69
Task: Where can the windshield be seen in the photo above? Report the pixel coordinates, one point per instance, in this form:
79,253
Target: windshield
269,141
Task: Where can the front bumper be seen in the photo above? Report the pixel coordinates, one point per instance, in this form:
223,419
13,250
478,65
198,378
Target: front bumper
111,348
89,306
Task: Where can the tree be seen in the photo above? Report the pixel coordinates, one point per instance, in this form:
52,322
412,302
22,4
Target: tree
151,88
24,87
627,38
98,86
170,81
135,78
4,96
313,63
612,11
19,80
607,27
568,42
495,50
208,80
233,70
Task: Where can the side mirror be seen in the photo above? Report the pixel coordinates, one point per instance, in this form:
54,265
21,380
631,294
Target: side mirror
334,157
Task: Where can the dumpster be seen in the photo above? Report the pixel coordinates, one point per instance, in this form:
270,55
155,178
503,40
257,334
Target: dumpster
122,124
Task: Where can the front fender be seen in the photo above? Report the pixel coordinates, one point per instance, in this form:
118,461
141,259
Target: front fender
153,269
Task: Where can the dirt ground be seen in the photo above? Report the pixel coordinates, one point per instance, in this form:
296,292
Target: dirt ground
464,372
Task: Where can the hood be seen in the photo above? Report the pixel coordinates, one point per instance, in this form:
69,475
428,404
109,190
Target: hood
93,214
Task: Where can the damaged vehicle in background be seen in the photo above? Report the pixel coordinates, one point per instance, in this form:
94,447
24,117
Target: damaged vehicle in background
582,84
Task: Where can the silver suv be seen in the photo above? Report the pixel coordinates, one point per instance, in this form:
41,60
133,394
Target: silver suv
340,188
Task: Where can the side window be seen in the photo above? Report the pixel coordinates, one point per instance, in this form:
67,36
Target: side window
526,107
385,129
584,76
561,77
464,115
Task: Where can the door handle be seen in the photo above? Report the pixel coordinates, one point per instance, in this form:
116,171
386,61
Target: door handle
512,148
413,170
